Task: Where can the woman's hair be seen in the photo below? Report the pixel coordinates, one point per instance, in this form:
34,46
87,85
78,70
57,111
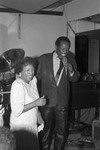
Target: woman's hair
24,62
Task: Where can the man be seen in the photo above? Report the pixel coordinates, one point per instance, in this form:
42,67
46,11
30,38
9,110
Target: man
56,89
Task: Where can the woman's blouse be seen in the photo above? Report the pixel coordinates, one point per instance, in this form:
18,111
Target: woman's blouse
22,94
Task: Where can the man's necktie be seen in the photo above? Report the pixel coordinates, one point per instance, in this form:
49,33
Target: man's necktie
59,71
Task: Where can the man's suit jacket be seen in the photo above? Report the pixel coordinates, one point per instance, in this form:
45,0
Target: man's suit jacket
56,95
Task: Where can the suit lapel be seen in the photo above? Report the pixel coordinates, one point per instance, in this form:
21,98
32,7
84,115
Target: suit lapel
50,68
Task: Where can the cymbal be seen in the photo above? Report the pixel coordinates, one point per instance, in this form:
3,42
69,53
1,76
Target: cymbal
4,66
13,56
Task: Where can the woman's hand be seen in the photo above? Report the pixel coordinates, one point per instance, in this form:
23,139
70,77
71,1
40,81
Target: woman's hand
40,122
41,101
40,119
38,102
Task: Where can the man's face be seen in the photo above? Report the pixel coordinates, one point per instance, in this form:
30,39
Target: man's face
63,49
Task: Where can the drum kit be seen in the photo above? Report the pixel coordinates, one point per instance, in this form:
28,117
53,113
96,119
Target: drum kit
8,61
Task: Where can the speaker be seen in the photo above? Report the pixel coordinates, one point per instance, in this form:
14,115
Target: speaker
96,130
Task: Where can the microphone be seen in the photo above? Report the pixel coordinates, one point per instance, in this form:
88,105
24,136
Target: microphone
64,60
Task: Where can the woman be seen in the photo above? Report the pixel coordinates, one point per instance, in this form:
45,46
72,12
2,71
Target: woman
24,102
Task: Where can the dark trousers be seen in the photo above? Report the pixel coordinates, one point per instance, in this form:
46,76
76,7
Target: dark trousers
55,118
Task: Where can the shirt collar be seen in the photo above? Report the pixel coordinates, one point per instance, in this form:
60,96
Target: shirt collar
55,55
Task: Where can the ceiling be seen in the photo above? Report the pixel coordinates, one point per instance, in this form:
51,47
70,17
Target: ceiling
47,7
30,6
94,18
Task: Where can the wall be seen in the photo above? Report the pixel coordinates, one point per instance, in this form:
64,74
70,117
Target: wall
3,32
77,10
36,34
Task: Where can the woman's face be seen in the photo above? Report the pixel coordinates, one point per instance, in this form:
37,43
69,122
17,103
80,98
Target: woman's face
27,73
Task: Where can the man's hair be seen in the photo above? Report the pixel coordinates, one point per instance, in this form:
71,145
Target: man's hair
64,39
7,139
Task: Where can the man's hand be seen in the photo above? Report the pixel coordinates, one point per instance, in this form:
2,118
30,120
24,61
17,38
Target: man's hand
67,66
70,68
64,60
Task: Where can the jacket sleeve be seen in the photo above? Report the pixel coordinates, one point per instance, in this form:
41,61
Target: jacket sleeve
38,75
76,73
